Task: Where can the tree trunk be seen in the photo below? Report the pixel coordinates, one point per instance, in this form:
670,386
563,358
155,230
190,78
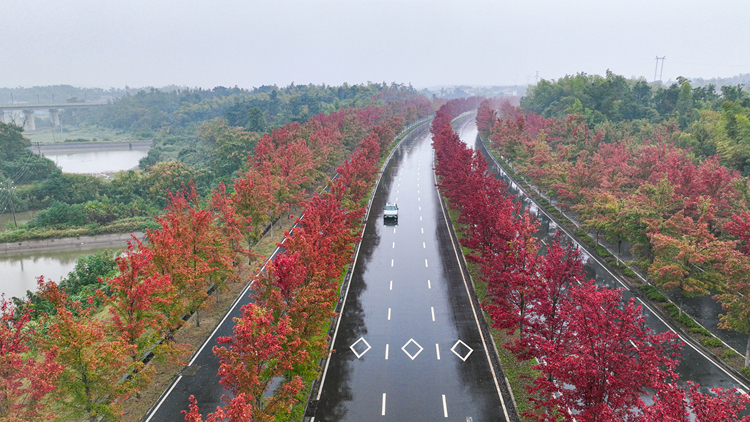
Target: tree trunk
197,318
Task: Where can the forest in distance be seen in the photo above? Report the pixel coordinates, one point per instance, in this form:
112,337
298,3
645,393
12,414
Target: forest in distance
660,169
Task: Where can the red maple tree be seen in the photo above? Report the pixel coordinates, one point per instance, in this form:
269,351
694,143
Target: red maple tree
25,379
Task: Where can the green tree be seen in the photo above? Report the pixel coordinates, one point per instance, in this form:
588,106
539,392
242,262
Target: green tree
12,142
256,122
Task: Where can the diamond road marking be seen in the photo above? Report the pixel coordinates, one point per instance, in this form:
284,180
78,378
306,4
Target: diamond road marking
463,358
411,340
359,355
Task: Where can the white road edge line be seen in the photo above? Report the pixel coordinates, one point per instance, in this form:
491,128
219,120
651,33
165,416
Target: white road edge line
203,346
473,310
346,295
648,306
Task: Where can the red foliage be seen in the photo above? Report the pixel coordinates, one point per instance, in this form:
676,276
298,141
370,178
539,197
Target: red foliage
261,348
136,295
24,381
605,360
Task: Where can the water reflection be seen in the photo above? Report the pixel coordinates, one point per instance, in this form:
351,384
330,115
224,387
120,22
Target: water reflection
19,272
97,161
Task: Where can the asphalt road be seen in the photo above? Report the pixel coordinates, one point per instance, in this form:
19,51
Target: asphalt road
410,346
200,378
695,364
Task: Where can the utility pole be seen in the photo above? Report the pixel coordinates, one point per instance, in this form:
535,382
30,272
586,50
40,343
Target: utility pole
9,188
657,67
661,72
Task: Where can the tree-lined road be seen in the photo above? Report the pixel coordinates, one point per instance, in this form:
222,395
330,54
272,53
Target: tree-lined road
410,345
695,364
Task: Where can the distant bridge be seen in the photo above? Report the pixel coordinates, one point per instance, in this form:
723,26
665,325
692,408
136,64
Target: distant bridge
54,111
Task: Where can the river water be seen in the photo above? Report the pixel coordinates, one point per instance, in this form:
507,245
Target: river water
93,158
19,272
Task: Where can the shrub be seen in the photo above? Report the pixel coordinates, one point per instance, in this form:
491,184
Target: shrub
727,354
653,293
712,342
700,330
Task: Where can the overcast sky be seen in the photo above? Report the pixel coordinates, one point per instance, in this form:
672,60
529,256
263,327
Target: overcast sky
114,43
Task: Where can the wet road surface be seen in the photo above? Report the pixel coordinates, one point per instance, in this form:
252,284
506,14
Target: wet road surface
200,378
409,346
695,365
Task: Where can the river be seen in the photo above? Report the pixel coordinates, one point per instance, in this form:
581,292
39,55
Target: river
19,272
95,158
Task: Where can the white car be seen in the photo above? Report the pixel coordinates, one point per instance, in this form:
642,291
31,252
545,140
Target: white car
390,212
